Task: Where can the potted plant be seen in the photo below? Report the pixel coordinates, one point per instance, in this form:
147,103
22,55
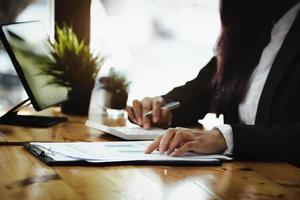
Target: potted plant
72,66
116,88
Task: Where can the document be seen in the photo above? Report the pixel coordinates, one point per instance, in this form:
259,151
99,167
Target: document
101,152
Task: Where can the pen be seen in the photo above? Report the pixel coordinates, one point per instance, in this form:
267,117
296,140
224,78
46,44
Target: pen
168,106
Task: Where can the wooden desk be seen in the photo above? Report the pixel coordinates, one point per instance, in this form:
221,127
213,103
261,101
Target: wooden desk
72,130
23,176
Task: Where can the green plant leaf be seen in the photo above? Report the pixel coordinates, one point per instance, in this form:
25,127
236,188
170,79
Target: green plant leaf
72,64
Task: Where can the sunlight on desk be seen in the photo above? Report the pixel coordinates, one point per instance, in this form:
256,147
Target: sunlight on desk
234,180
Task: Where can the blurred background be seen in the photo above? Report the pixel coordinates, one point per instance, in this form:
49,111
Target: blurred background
158,44
11,89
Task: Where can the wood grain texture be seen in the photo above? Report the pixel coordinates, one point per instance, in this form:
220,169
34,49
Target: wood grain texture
72,130
235,180
281,173
23,176
129,182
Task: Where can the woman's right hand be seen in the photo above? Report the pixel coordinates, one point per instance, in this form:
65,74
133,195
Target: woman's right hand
160,117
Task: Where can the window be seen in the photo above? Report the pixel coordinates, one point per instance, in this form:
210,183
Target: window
159,44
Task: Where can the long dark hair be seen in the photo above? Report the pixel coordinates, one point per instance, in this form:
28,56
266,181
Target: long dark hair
246,30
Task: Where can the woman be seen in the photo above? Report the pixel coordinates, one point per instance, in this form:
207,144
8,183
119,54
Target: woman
253,80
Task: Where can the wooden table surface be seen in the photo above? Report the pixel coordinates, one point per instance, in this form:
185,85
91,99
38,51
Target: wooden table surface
23,176
72,130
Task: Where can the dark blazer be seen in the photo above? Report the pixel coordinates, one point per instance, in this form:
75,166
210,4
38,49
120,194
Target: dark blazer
276,133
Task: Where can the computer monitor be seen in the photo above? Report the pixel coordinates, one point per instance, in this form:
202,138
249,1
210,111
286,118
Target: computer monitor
28,48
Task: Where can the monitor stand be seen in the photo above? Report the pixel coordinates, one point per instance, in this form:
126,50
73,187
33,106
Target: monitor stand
12,118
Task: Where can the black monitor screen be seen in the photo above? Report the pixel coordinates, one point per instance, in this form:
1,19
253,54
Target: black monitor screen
28,46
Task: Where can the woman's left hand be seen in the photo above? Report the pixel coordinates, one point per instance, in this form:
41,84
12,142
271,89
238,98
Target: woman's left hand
177,141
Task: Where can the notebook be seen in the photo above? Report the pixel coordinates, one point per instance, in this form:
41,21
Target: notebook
113,153
128,133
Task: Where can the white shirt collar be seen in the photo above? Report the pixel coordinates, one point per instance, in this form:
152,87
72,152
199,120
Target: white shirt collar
285,22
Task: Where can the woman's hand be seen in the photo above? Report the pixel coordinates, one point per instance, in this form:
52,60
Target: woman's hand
177,141
160,117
